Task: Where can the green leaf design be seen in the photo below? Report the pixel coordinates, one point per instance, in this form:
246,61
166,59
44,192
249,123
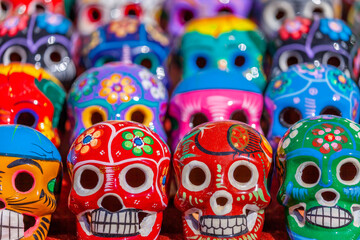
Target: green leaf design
51,185
127,145
148,149
127,135
148,140
138,133
137,151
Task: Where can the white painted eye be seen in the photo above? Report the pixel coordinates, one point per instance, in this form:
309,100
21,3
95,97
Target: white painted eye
288,59
348,171
243,175
334,59
14,54
308,174
55,55
87,180
195,176
136,178
323,10
276,12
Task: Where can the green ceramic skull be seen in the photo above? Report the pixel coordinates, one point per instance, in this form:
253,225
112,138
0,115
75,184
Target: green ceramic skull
318,162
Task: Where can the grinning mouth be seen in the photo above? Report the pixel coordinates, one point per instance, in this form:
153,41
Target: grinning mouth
14,225
221,226
124,223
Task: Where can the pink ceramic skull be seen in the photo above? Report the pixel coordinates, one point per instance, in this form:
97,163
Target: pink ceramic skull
222,170
118,171
204,97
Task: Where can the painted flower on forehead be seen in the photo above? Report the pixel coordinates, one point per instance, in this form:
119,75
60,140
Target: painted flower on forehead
336,29
339,79
311,69
53,23
117,87
87,140
137,142
85,86
294,28
280,85
13,25
329,137
124,27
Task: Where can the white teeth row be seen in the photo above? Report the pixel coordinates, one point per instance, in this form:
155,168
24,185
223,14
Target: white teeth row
232,226
329,217
11,225
121,223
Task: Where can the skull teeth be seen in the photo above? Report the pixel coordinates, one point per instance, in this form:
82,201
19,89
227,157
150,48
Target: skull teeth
225,226
329,217
11,225
119,224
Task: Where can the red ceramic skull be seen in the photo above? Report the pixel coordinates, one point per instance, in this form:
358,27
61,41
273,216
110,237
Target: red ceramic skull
118,171
222,170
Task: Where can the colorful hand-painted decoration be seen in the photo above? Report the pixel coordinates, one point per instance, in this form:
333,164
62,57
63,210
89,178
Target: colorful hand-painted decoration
325,41
318,161
213,95
92,14
29,7
222,169
119,172
30,172
227,43
180,12
129,40
305,90
275,12
32,97
117,91
45,40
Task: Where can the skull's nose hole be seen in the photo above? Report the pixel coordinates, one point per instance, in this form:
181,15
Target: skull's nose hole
111,203
328,196
221,201
2,204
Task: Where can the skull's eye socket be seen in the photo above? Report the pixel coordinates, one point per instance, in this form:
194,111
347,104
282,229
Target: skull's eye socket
225,10
348,171
322,10
334,59
39,8
133,10
26,117
330,110
243,175
24,182
201,62
185,15
148,60
195,176
276,12
239,115
239,61
87,180
280,14
141,114
308,174
136,178
4,7
14,54
93,115
289,116
288,59
197,119
103,60
55,54
94,14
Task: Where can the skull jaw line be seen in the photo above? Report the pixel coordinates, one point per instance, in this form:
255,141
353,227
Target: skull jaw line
144,225
26,224
301,215
193,218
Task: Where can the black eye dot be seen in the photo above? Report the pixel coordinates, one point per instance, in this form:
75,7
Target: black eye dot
330,110
138,116
310,174
239,61
334,61
89,179
318,11
26,118
135,177
239,115
197,119
146,63
289,116
280,14
15,57
186,15
242,174
39,8
24,182
96,117
348,171
225,10
201,62
197,176
55,57
4,6
292,60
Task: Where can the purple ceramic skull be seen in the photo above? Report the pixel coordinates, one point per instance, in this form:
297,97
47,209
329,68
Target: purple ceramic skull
117,91
213,95
182,11
325,41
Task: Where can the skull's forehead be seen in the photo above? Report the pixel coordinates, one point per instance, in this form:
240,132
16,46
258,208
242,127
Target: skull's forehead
227,140
322,136
113,142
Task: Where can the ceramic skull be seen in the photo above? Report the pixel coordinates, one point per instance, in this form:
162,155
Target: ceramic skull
129,40
30,172
32,97
45,40
213,95
306,90
117,91
274,12
119,171
327,41
318,161
180,12
222,168
227,43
